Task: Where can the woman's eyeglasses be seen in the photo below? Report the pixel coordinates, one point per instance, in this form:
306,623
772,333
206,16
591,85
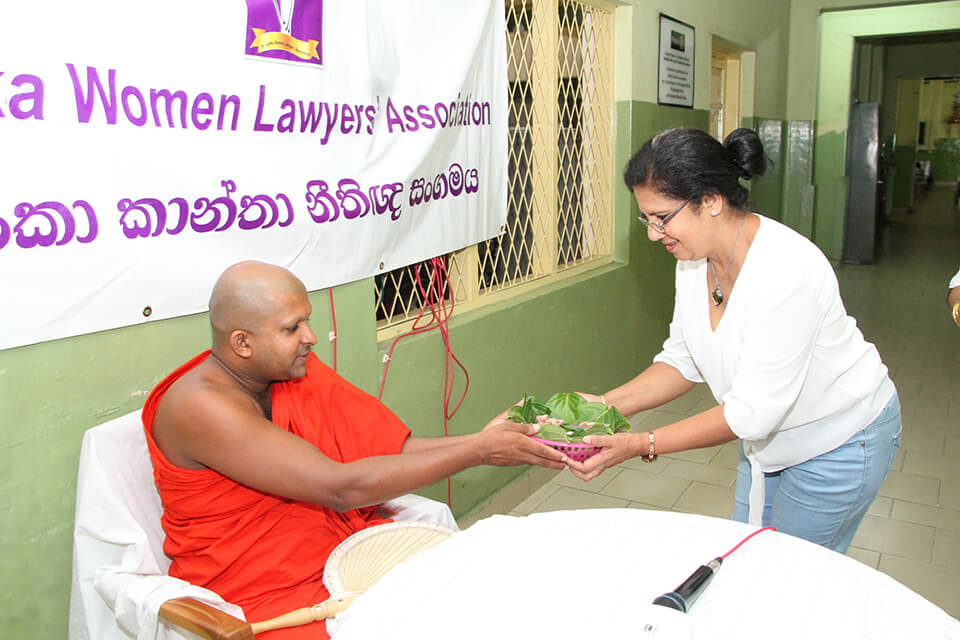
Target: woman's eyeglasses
658,223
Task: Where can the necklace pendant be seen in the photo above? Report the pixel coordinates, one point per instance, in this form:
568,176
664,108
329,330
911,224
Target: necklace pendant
717,296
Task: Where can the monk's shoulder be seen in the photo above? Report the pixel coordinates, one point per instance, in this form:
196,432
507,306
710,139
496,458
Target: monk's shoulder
195,412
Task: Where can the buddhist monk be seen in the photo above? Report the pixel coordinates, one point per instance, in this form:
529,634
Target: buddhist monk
265,459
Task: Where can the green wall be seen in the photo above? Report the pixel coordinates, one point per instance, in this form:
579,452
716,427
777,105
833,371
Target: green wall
945,160
798,189
903,159
766,192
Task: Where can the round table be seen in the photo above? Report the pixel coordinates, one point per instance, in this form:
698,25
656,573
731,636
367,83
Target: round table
593,574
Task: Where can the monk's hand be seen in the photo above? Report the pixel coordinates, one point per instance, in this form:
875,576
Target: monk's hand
615,449
507,444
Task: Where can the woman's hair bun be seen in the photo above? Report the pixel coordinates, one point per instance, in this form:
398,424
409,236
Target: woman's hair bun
746,152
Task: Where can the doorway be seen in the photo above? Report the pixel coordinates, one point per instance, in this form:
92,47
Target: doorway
838,32
725,84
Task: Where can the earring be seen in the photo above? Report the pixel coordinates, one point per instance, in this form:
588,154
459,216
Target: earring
714,213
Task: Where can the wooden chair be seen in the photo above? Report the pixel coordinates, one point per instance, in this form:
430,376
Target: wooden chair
120,587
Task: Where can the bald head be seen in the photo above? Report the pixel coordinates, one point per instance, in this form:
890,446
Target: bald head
249,292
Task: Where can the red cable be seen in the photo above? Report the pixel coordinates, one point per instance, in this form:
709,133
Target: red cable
441,315
451,356
333,315
414,330
442,325
442,322
724,556
434,299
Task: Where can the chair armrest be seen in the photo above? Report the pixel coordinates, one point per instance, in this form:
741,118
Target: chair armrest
206,621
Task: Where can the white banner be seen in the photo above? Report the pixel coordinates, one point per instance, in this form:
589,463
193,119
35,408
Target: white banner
146,146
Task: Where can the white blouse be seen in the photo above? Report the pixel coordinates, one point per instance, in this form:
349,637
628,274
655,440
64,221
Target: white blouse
955,281
792,370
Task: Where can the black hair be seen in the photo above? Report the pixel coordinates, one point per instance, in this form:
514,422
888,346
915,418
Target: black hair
687,164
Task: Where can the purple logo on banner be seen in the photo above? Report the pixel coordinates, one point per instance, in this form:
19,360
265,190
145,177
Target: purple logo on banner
285,30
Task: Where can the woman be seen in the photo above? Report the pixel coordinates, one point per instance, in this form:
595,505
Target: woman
758,317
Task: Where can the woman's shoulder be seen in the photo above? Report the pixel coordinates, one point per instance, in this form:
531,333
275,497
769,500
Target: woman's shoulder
789,260
783,242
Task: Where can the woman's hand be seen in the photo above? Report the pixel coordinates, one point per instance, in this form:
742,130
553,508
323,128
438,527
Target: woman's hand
616,449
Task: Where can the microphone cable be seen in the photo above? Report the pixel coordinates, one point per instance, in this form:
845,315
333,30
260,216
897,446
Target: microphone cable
683,597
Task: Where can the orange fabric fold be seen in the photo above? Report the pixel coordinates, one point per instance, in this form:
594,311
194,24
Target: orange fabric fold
259,551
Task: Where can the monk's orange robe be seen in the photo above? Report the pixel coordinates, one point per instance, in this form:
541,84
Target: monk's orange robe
259,551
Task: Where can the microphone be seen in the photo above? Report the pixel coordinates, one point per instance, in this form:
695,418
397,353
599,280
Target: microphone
683,597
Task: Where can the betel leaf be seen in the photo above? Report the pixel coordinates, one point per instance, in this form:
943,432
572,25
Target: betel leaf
521,414
597,430
581,417
591,412
566,406
527,412
614,419
554,432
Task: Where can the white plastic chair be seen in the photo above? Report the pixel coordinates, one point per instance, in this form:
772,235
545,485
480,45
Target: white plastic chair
120,588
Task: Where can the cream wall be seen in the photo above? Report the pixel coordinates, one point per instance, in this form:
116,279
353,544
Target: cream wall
760,27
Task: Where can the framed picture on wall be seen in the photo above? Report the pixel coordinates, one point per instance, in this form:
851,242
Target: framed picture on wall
676,72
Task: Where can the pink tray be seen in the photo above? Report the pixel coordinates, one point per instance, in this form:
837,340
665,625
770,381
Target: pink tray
574,450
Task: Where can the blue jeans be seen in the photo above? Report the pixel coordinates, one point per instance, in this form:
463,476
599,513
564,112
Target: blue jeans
824,499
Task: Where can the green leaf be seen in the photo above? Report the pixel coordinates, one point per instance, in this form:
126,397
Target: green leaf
598,430
518,414
527,412
555,432
573,410
614,419
538,408
566,406
590,411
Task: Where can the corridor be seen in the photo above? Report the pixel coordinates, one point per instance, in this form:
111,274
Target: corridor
912,531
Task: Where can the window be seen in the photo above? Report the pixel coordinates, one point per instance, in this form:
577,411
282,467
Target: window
560,204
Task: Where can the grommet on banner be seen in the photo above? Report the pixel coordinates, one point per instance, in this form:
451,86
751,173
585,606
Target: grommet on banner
147,311
381,266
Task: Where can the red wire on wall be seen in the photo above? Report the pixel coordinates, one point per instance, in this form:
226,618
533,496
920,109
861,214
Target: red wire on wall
435,301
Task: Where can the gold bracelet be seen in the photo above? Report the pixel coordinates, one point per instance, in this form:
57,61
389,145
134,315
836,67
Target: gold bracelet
651,450
956,314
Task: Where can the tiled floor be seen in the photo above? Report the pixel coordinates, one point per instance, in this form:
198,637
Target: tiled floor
912,531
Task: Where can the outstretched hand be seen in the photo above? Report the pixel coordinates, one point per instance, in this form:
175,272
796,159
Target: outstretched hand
505,444
616,449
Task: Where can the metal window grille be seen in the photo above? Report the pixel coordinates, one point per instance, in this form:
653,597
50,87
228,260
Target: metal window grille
560,203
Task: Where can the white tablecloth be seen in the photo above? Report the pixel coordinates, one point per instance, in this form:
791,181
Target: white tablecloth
592,574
